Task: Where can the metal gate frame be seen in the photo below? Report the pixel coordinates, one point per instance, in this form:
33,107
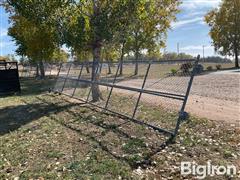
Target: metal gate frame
184,98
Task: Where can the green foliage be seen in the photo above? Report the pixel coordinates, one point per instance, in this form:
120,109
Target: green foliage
110,53
173,71
82,56
59,55
225,32
174,56
34,29
218,66
150,23
96,26
209,68
184,56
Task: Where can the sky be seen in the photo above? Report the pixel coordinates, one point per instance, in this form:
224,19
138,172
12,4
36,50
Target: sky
190,31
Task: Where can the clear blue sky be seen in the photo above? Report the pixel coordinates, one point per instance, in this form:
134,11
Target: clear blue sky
189,31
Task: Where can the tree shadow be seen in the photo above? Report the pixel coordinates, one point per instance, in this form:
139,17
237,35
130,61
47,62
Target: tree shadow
118,137
40,86
13,117
137,150
33,86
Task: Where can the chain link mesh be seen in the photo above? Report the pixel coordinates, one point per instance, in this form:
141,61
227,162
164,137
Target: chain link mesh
132,89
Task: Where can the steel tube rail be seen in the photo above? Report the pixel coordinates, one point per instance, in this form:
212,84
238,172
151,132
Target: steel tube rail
151,92
170,61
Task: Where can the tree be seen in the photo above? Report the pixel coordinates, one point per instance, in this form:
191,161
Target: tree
225,32
89,25
36,42
96,23
154,53
110,54
175,56
59,55
33,28
184,56
152,19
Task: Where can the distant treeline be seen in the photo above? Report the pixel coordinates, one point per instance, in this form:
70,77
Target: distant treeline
216,59
175,56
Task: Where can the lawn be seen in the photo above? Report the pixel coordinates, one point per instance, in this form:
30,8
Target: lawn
46,136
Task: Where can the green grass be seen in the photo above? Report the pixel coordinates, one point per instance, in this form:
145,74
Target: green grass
52,137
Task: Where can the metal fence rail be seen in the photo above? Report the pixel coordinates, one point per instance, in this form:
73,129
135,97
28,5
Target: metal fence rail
166,84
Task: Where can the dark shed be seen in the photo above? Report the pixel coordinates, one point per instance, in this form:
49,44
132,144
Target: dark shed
9,78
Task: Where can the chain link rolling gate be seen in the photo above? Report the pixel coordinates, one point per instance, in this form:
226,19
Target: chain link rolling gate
166,83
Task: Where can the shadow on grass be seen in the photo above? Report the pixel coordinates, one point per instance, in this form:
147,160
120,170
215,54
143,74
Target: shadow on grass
133,145
132,149
33,86
13,117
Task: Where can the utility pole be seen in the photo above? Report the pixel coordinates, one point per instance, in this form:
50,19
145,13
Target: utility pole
203,53
178,48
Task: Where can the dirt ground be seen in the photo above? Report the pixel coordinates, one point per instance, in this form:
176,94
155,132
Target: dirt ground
214,96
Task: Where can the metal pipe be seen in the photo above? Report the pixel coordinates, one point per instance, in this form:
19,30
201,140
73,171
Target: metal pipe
140,95
80,74
66,77
181,113
110,93
151,92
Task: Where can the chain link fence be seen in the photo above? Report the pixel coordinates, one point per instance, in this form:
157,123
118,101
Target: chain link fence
133,89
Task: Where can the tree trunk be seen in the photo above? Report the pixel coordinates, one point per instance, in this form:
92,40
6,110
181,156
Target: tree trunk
136,61
100,67
121,59
109,68
42,71
96,94
96,47
87,67
236,59
37,70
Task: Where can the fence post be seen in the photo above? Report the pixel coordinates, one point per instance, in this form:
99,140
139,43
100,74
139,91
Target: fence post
114,81
143,85
182,113
80,74
65,79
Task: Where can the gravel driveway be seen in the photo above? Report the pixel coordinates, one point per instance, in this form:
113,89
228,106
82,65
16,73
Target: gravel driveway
214,96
